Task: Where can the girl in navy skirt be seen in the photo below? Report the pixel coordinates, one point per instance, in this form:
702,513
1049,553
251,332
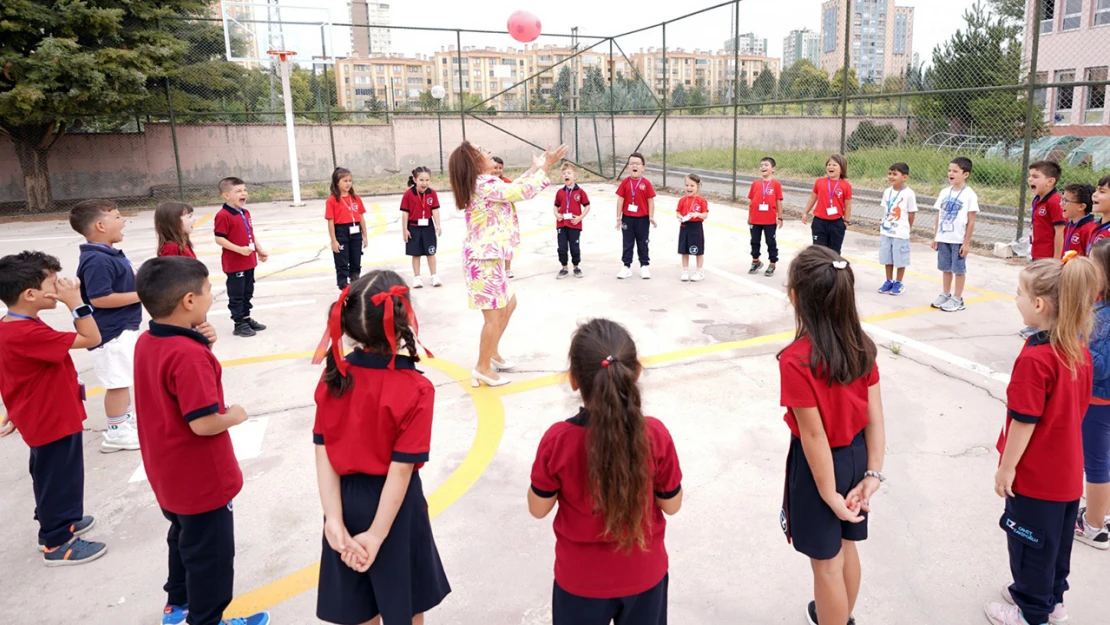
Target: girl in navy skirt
830,389
613,472
372,434
692,212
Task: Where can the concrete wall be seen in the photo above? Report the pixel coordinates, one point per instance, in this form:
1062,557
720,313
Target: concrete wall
136,165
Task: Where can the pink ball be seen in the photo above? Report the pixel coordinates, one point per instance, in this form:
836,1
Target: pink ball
524,27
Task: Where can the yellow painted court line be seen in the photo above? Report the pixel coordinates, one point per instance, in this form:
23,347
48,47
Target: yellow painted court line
204,219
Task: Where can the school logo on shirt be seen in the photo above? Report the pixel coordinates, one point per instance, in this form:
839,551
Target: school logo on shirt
429,201
1042,211
696,208
1075,238
577,197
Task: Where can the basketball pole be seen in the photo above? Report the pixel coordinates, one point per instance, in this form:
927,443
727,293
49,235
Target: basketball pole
290,137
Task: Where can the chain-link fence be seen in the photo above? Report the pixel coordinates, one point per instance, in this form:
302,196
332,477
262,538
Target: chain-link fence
1007,88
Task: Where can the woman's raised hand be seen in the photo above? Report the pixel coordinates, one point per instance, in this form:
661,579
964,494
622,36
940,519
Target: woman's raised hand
553,155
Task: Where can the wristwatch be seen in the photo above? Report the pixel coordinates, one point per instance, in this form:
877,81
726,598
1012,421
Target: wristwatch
875,474
82,311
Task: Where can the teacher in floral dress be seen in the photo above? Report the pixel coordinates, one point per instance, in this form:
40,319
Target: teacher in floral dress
488,203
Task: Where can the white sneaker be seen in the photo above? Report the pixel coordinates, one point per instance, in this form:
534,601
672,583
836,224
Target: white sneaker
697,277
417,283
625,272
940,300
436,281
122,437
1059,614
954,304
644,273
685,276
1097,537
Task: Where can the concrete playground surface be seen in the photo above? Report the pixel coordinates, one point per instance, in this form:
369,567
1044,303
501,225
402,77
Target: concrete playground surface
936,553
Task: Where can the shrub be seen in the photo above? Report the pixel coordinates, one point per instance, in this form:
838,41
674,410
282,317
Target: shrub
870,135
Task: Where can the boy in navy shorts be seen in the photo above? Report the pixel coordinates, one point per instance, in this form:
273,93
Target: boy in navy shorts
235,233
39,387
107,282
187,450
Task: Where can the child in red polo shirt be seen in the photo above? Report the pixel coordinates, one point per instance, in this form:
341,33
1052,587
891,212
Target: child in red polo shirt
1040,473
39,387
420,224
635,216
514,238
830,388
173,223
372,434
1077,205
610,557
1100,205
831,204
346,218
235,232
187,452
691,213
571,207
1048,217
764,216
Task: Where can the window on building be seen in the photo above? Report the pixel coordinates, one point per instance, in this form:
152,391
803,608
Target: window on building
1102,13
362,68
828,30
381,80
1064,98
1096,96
1048,15
397,69
1073,14
900,23
1040,96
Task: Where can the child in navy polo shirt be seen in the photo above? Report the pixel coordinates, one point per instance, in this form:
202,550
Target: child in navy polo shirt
635,216
235,233
372,434
571,207
610,558
1040,473
830,389
108,285
39,387
187,450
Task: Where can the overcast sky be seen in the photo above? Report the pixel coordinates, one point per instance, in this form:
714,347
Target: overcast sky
934,22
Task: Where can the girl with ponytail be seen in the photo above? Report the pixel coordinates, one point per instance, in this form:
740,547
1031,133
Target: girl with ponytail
372,435
613,472
420,224
1040,474
830,389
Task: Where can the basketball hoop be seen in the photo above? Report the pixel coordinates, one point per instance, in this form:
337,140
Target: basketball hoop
283,55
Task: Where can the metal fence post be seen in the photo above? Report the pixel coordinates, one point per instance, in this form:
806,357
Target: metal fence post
612,113
1030,111
173,136
462,94
327,100
844,83
666,85
735,98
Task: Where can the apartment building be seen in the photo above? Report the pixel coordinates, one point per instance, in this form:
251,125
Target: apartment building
801,44
711,70
397,81
881,38
365,41
1074,40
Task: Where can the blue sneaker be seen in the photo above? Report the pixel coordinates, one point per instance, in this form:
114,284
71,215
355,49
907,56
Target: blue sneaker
79,528
886,287
262,618
76,551
175,615
897,289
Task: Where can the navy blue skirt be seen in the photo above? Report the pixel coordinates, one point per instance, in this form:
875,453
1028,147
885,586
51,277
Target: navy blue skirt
406,578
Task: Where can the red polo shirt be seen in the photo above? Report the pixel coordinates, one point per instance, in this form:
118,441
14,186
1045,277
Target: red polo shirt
38,382
636,192
384,417
692,204
1077,236
236,226
843,408
586,563
419,205
831,196
1043,392
570,202
177,381
173,249
1047,214
344,210
1101,232
764,193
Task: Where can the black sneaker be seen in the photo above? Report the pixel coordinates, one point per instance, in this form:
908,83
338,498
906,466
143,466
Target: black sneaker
756,266
257,327
577,272
770,270
76,551
243,329
562,274
811,613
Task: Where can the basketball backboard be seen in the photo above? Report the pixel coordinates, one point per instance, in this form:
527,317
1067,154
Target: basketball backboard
253,28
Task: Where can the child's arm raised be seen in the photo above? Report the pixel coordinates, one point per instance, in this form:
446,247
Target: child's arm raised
217,422
393,495
69,293
335,531
815,444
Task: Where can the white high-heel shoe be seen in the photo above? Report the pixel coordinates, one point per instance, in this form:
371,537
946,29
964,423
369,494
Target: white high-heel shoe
502,366
477,378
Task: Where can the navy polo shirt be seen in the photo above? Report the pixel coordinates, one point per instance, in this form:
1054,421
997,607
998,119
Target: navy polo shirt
104,270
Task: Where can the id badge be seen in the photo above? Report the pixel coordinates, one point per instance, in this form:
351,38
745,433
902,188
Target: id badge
354,229
568,216
763,208
421,222
833,210
251,246
632,208
947,226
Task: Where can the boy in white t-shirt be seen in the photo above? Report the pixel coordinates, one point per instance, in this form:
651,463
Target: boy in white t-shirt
955,223
899,208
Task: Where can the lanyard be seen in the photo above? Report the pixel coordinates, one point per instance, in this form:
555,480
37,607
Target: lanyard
1068,233
832,189
23,317
632,184
767,184
247,223
948,202
894,201
350,207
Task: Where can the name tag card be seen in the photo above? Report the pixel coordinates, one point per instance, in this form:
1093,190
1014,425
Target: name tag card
764,208
568,216
833,210
355,229
251,246
422,222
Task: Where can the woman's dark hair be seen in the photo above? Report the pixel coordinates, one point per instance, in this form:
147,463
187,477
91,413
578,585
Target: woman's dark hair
167,224
843,162
825,311
464,166
416,172
336,176
618,452
362,321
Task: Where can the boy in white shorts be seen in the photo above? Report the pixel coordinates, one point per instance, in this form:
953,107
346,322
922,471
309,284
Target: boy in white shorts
899,208
108,285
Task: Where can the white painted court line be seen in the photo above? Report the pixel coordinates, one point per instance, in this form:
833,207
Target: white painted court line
74,237
246,438
904,341
291,304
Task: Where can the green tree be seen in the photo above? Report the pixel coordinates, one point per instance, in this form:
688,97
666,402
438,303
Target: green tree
428,101
374,104
62,61
838,85
678,96
698,97
764,86
804,80
561,92
1012,10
